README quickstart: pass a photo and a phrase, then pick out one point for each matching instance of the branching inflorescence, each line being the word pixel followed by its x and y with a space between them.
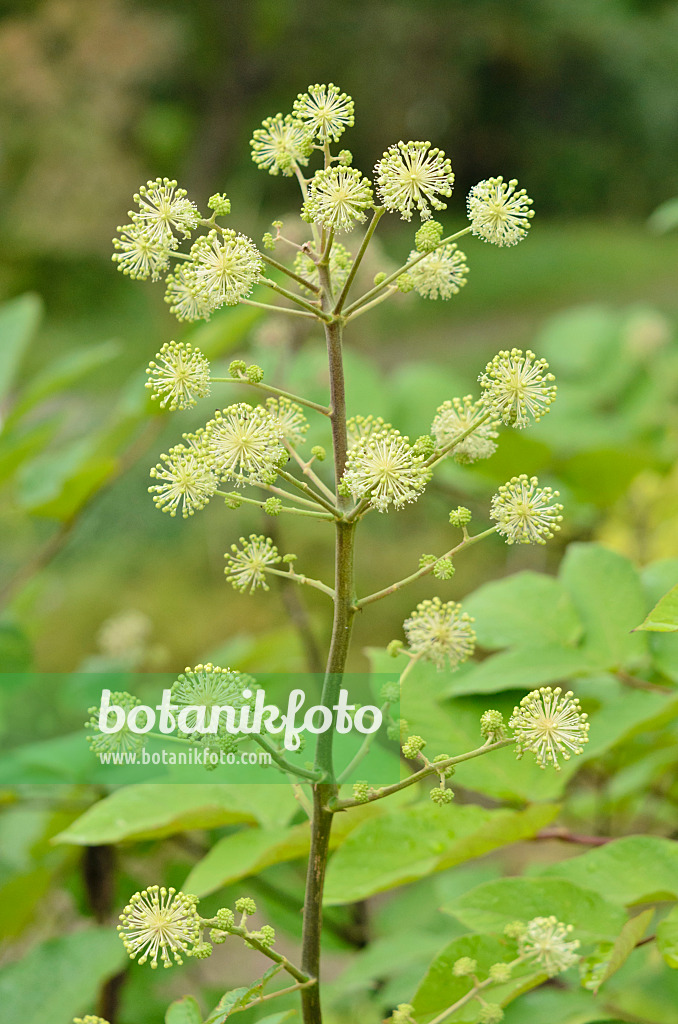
pixel 257 447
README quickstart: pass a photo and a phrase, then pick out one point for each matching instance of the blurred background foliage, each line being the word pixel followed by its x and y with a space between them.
pixel 576 98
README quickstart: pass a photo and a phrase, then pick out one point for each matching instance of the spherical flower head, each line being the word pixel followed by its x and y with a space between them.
pixel 490 1013
pixel 550 724
pixel 412 176
pixel 122 741
pixel 225 918
pixel 246 565
pixel 360 427
pixel 209 686
pixel 413 746
pixel 384 469
pixel 341 262
pixel 337 198
pixel 440 274
pixel 220 204
pixel 492 726
pixel 443 569
pixel 460 516
pixel 429 236
pixel 89 1019
pixel 160 922
pixel 246 905
pixel 462 416
pixel 440 632
pixel 545 939
pixel 164 209
pixel 140 254
pixel 244 444
pixel 464 967
pixel 402 1014
pixel 361 792
pixel 500 972
pixel 325 111
pixel 524 512
pixel 178 376
pixel 499 212
pixel 185 482
pixel 281 145
pixel 186 297
pixel 441 796
pixel 290 418
pixel 226 265
pixel 516 387
pixel 272 506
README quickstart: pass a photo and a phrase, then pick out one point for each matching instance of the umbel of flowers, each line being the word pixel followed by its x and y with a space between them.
pixel 250 452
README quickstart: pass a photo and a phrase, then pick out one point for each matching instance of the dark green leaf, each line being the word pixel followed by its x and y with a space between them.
pixel 525 609
pixel 620 950
pixel 634 869
pixel 183 1011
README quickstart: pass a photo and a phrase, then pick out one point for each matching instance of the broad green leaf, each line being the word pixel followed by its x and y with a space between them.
pixel 412 842
pixel 440 988
pixel 634 869
pixel 551 1005
pixel 277 1018
pixel 17 447
pixel 602 476
pixel 664 616
pixel 526 609
pixel 521 668
pixel 607 593
pixel 60 978
pixel 57 484
pixel 60 374
pixel 183 1011
pixel 18 322
pixel 492 905
pixel 667 938
pixel 599 968
pixel 148 811
pixel 657 579
pixel 239 997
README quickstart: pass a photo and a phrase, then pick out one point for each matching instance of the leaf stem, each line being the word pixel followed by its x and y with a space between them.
pixel 234 496
pixel 376 217
pixel 306 580
pixel 290 273
pixel 323 409
pixel 317 312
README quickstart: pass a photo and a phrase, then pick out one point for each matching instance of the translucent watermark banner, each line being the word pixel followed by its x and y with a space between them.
pixel 206 725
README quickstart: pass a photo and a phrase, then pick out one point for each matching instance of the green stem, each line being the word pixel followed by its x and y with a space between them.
pixel 307 471
pixel 273 391
pixel 376 217
pixel 275 995
pixel 305 489
pixel 440 453
pixel 297 298
pixel 251 940
pixel 277 309
pixel 387 591
pixel 282 762
pixel 431 769
pixel 369 305
pixel 234 496
pixel 478 986
pixel 306 580
pixel 402 270
pixel 290 273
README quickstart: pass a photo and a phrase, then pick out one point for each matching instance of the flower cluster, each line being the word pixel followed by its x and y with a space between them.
pixel 383 468
pixel 224 267
pixel 290 418
pixel 281 145
pixel 209 686
pixel 340 265
pixel 440 631
pixel 337 198
pixel 499 212
pixel 469 421
pixel 550 725
pixel 159 922
pixel 526 513
pixel 440 274
pixel 178 376
pixel 185 481
pixel 324 111
pixel 411 175
pixel 246 565
pixel 243 444
pixel 145 244
pixel 123 740
pixel 545 940
pixel 516 386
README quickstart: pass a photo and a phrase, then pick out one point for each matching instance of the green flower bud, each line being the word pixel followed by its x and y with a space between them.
pixel 490 1013
pixel 500 972
pixel 460 516
pixel 492 726
pixel 390 693
pixel 217 937
pixel 225 918
pixel 515 930
pixel 202 951
pixel 246 905
pixel 289 559
pixel 405 283
pixel 394 648
pixel 265 936
pixel 441 796
pixel 379 278
pixel 277 224
pixel 361 792
pixel 268 240
pixel 402 1014
pixel 273 506
pixel 232 501
pixel 424 445
pixel 427 560
pixel 397 730
pixel 318 452
pixel 443 569
pixel 428 236
pixel 89 1019
pixel 220 203
pixel 464 967
pixel 446 772
pixel 237 368
pixel 413 746
pixel 345 157
pixel 254 374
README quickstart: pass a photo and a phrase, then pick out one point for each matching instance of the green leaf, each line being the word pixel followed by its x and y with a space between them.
pixel 521 668
pixel 664 616
pixel 18 322
pixel 607 593
pixel 57 484
pixel 440 988
pixel 277 1018
pixel 667 938
pixel 634 869
pixel 61 977
pixel 526 608
pixel 149 811
pixel 60 374
pixel 239 997
pixel 492 905
pixel 183 1011
pixel 412 842
pixel 602 968
pixel 16 653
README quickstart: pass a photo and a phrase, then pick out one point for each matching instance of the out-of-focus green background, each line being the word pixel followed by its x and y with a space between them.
pixel 576 99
